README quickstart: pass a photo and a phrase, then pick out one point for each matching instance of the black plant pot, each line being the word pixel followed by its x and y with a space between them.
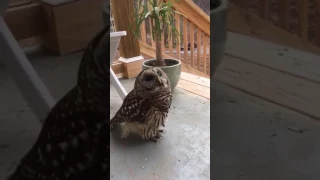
pixel 3 6
pixel 218 32
pixel 106 12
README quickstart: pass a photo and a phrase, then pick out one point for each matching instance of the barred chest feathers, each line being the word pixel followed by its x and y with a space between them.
pixel 145 109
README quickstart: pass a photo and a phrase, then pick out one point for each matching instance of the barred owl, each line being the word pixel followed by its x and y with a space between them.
pixel 73 143
pixel 145 109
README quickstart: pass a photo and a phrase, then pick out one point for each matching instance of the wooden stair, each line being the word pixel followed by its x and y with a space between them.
pixel 278 74
pixel 195 84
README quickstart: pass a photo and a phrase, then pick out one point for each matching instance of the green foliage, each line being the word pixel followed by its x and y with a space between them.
pixel 162 17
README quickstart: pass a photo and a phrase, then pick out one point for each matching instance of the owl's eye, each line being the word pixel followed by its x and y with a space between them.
pixel 159 73
pixel 149 78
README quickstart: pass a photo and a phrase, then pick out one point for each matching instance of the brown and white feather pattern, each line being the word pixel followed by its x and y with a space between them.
pixel 73 143
pixel 145 108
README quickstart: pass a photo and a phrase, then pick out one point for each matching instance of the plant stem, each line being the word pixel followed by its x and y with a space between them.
pixel 159 57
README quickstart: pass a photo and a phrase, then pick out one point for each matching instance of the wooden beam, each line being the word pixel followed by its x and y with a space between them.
pixel 194 88
pixel 123 11
pixel 244 22
pixel 196 79
pixel 195 84
pixel 277 87
pixel 26 21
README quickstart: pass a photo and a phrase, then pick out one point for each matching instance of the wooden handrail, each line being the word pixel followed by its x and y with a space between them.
pixel 194 14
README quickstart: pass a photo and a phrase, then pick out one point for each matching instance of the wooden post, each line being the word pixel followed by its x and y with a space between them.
pixel 122 11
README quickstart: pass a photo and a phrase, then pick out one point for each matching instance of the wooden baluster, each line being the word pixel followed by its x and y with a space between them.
pixel 198 48
pixel 284 13
pixel 303 19
pixel 170 36
pixel 185 39
pixel 192 43
pixel 143 30
pixel 178 44
pixel 264 9
pixel 317 23
pixel 205 38
pixel 208 56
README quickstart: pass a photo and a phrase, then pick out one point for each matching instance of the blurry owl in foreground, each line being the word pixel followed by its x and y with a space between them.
pixel 73 143
pixel 145 108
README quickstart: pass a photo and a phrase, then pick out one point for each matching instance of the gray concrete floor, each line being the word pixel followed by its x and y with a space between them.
pixel 182 154
pixel 251 139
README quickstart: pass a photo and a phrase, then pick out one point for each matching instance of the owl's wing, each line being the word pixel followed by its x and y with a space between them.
pixel 132 109
pixel 60 144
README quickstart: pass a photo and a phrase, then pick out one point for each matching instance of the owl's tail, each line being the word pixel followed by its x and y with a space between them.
pixel 113 123
pixel 117 119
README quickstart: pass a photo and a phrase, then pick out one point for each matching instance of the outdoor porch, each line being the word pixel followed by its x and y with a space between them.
pixel 182 154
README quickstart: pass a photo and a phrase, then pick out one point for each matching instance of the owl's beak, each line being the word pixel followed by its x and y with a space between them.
pixel 160 82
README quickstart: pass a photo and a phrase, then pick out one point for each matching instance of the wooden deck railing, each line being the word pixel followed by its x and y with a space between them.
pixel 300 18
pixel 194 31
pixel 194 36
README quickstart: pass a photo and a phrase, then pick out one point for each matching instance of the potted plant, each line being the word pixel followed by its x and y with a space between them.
pixel 162 17
pixel 218 31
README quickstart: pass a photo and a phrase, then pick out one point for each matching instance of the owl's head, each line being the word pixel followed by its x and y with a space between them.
pixel 152 80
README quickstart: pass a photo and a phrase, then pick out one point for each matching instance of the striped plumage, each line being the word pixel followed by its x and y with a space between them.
pixel 74 141
pixel 145 109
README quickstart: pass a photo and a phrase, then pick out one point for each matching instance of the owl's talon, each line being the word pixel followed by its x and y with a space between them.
pixel 124 135
pixel 158 137
pixel 155 140
pixel 162 131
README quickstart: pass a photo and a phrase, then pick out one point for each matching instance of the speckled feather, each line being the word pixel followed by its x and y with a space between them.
pixel 73 143
pixel 147 105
